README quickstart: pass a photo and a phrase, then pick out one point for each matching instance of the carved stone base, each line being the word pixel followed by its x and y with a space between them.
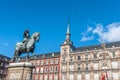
pixel 19 71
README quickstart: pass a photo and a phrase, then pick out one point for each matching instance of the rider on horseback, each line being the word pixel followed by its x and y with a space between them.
pixel 26 37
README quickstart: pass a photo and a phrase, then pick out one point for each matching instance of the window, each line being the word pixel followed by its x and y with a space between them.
pixel 86 66
pixel 45 77
pixel 64 51
pixel 50 77
pixel 55 77
pixel 71 58
pixel 37 70
pixel 88 77
pixel 33 70
pixel 71 67
pixel 33 63
pixel 78 57
pixel 63 59
pixel 83 66
pixel 46 69
pixel 83 57
pixel 91 56
pixel 114 64
pixel 64 77
pixel 78 66
pixel 71 77
pixel 51 61
pixel 56 69
pixel 37 62
pixel 83 77
pixel 42 62
pixel 41 70
pixel 91 66
pixel 78 77
pixel 53 54
pixel 51 68
pixel 113 53
pixel 56 61
pixel 95 56
pixel 115 76
pixel 96 76
pixel 41 77
pixel 46 61
pixel 86 57
pixel 95 66
pixel 64 68
pixel 36 77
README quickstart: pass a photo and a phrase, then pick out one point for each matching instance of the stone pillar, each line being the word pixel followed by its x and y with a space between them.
pixel 19 71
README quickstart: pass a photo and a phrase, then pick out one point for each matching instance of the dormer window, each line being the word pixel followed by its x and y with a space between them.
pixel 43 56
pixel 53 54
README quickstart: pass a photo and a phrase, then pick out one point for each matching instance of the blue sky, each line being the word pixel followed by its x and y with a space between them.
pixel 91 22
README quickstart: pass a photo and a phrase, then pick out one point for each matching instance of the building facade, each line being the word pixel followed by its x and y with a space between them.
pixel 47 66
pixel 4 61
pixel 96 62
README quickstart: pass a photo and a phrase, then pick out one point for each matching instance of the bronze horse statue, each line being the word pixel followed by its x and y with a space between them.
pixel 29 47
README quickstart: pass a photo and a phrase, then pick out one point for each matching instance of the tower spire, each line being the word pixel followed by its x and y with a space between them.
pixel 68 31
pixel 68 27
pixel 67 40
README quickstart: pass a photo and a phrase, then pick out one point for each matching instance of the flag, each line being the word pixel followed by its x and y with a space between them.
pixel 102 76
pixel 106 75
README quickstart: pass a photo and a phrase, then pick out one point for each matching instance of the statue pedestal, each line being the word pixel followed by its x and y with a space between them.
pixel 19 71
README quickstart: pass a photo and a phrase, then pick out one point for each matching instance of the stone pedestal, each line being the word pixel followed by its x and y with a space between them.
pixel 20 71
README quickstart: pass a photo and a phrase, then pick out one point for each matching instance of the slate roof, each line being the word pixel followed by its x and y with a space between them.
pixel 48 55
pixel 93 47
pixel 43 56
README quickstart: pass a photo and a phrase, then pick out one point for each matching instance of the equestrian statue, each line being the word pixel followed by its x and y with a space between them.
pixel 26 46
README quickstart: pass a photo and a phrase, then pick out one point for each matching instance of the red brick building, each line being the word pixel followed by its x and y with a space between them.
pixel 47 66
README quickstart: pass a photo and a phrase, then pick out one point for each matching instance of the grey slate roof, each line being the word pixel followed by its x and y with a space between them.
pixel 93 47
pixel 42 56
pixel 48 55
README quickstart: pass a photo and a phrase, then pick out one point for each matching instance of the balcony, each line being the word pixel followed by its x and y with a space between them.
pixel 41 72
pixel 55 71
pixel 72 61
pixel 64 62
pixel 64 70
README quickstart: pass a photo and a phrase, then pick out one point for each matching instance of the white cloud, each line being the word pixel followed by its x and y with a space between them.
pixel 89 29
pixel 84 38
pixel 110 33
